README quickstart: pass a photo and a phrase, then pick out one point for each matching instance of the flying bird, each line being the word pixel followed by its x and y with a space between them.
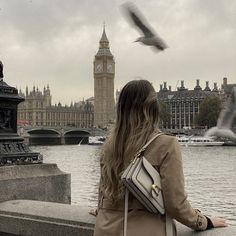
pixel 149 37
pixel 225 119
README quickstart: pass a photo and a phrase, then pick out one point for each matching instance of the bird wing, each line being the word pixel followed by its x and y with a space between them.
pixel 137 19
pixel 228 113
pixel 139 23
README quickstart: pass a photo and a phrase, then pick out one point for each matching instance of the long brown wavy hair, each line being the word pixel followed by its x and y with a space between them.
pixel 137 118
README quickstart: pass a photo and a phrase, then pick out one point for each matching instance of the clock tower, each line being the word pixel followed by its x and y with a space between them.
pixel 104 73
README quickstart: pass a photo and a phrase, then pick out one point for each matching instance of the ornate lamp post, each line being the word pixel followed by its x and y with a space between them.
pixel 13 150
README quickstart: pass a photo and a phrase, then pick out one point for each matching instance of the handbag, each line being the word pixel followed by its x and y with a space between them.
pixel 143 181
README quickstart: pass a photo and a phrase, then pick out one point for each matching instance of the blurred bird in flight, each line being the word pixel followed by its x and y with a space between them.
pixel 225 119
pixel 150 38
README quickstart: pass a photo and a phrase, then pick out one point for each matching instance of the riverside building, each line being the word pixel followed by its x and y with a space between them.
pixel 37 110
pixel 98 111
pixel 183 104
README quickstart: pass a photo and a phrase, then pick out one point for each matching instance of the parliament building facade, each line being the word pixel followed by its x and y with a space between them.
pixel 99 111
pixel 37 110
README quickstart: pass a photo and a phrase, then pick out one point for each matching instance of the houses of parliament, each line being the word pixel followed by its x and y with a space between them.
pixel 99 111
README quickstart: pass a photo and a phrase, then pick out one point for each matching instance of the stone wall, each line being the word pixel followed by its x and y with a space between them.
pixel 43 182
pixel 27 218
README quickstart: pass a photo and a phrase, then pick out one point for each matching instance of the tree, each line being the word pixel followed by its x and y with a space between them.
pixel 164 114
pixel 209 112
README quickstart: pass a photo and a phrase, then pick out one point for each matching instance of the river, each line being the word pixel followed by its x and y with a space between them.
pixel 210 175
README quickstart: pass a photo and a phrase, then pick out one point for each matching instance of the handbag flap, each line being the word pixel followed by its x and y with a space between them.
pixel 154 174
pixel 147 178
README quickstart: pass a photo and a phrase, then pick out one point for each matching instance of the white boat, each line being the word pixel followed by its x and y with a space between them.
pixel 96 140
pixel 197 141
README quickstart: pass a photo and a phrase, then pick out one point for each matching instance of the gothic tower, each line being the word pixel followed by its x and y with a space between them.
pixel 104 73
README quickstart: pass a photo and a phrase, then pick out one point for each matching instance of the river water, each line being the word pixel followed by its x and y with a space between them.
pixel 210 175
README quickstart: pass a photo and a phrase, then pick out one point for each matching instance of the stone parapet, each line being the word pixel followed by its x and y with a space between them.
pixel 43 182
pixel 27 218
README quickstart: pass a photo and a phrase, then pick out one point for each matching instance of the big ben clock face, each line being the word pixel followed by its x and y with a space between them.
pixel 98 67
pixel 110 68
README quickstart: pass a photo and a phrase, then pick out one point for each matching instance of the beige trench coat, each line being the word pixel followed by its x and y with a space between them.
pixel 163 153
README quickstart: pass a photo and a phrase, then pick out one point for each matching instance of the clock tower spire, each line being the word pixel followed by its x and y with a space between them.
pixel 104 73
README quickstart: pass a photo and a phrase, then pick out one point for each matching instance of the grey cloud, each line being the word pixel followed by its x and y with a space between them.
pixel 54 41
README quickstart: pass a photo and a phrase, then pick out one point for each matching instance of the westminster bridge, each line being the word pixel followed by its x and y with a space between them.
pixel 42 135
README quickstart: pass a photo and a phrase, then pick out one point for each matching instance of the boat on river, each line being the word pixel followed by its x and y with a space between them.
pixel 96 140
pixel 197 141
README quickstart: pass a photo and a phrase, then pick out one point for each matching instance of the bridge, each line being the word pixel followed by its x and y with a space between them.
pixel 42 135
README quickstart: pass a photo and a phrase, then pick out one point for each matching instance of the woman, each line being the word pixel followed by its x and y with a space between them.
pixel 137 121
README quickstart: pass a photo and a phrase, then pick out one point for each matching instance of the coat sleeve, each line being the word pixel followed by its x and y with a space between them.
pixel 174 195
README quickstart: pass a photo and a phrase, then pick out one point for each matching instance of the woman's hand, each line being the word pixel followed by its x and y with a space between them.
pixel 93 212
pixel 218 222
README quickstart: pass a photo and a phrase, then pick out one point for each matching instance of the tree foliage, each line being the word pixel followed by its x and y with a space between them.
pixel 209 112
pixel 164 113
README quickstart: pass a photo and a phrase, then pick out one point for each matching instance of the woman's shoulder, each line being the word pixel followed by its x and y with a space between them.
pixel 166 138
pixel 164 142
pixel 160 148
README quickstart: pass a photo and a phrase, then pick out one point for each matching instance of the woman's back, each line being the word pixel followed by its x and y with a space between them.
pixel 137 121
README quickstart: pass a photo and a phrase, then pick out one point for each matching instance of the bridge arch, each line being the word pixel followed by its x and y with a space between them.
pixel 76 137
pixel 44 137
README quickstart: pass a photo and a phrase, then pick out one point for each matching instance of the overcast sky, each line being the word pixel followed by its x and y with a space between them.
pixel 54 42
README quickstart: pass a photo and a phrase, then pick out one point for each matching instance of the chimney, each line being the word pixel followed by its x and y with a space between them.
pixel 215 89
pixel 224 81
pixel 170 88
pixel 160 87
pixel 26 91
pixel 207 88
pixel 165 87
pixel 182 88
pixel 197 87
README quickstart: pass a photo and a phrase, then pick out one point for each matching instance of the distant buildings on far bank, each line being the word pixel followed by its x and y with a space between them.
pixel 37 110
pixel 182 105
pixel 98 111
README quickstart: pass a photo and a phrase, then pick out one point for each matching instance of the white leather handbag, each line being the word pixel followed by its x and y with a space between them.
pixel 143 181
